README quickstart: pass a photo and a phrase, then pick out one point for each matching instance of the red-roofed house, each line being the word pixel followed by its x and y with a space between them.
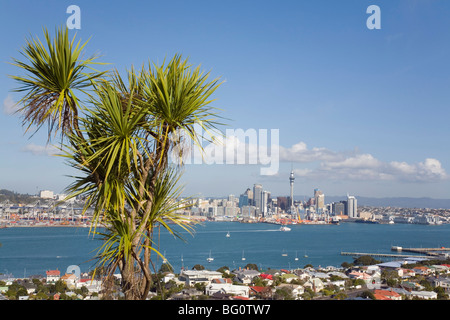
pixel 267 277
pixel 381 297
pixel 422 270
pixel 260 292
pixel 70 279
pixel 53 275
pixel 387 295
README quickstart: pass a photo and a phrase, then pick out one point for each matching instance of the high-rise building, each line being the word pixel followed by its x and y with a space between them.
pixel 243 200
pixel 352 207
pixel 319 200
pixel 282 203
pixel 249 194
pixel 338 208
pixel 257 197
pixel 264 202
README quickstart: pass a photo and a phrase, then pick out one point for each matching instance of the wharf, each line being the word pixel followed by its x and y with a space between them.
pixel 384 255
pixel 436 252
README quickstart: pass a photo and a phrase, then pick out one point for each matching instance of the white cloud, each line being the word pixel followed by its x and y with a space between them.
pixel 355 166
pixel 47 150
pixel 9 105
pixel 300 153
pixel 249 147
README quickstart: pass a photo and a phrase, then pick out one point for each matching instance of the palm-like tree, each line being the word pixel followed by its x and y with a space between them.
pixel 121 146
pixel 54 75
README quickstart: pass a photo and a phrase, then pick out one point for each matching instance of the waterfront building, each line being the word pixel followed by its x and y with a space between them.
pixel 257 197
pixel 243 200
pixel 249 194
pixel 248 212
pixel 319 200
pixel 46 194
pixel 282 203
pixel 265 202
pixel 352 207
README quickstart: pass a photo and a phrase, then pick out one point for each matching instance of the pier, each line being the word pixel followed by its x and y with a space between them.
pixel 433 252
pixel 384 255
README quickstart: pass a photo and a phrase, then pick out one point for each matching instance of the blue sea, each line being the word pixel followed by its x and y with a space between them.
pixel 31 251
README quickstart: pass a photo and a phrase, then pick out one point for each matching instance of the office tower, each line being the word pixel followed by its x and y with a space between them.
pixel 320 203
pixel 352 208
pixel 338 208
pixel 257 196
pixel 243 200
pixel 249 194
pixel 282 203
pixel 319 200
pixel 291 182
pixel 264 202
pixel 231 200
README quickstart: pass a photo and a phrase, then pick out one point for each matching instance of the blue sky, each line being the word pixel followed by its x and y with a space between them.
pixel 358 111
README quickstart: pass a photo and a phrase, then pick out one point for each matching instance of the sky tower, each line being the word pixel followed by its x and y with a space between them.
pixel 291 181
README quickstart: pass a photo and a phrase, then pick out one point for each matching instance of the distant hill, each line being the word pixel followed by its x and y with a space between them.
pixel 15 197
pixel 401 202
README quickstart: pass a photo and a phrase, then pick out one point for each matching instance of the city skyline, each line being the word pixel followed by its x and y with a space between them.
pixel 359 111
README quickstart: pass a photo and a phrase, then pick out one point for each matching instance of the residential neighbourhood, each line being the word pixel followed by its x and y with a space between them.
pixel 396 280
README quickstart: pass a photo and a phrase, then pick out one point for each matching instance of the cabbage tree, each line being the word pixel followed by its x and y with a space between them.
pixel 118 132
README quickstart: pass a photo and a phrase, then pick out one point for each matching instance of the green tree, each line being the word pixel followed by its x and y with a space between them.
pixel 365 261
pixel 165 267
pixel 120 139
pixel 251 266
pixel 198 267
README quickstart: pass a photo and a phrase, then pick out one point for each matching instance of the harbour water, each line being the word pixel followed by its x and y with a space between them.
pixel 33 250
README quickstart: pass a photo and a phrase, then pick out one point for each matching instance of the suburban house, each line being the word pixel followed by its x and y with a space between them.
pixel 424 294
pixel 191 277
pixel 422 270
pixel 295 289
pixel 246 276
pixel 260 292
pixel 288 277
pixel 315 284
pixel 443 283
pixel 387 295
pixel 70 279
pixel 405 273
pixel 228 288
pixel 53 275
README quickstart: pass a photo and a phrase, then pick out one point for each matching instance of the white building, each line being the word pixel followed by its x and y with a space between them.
pixel 46 194
pixel 227 288
pixel 53 275
pixel 191 277
pixel 427 295
pixel 352 207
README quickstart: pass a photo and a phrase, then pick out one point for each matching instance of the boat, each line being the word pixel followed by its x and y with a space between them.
pixel 209 259
pixel 284 228
pixel 228 234
pixel 296 258
pixel 243 258
pixel 284 254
